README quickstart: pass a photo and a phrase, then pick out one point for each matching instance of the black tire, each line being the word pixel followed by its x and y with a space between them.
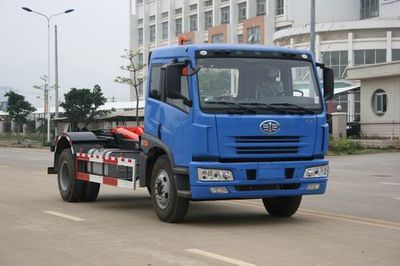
pixel 168 205
pixel 90 191
pixel 70 188
pixel 282 206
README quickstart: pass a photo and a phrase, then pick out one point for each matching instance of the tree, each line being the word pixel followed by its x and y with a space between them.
pixel 134 80
pixel 81 105
pixel 18 109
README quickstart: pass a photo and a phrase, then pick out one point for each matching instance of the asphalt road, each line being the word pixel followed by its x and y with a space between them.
pixel 357 222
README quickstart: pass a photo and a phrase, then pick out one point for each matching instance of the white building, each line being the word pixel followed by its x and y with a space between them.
pixel 157 23
pixel 348 33
pixel 380 95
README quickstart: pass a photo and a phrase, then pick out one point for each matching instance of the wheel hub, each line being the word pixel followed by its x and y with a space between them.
pixel 162 189
pixel 64 176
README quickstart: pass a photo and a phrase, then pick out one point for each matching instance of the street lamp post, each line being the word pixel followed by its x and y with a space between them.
pixel 48 18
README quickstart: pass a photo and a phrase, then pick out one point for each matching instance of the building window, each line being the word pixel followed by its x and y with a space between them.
pixel 193 22
pixel 280 7
pixel 283 27
pixel 218 38
pixel 369 8
pixel 164 15
pixel 164 26
pixel 241 12
pixel 395 54
pixel 225 15
pixel 178 11
pixel 253 35
pixel 152 18
pixel 140 21
pixel 139 2
pixel 140 88
pixel 208 3
pixel 193 7
pixel 208 19
pixel 240 38
pixel 379 102
pixel 178 26
pixel 261 7
pixel 338 61
pixel 364 57
pixel 140 59
pixel 152 30
pixel 140 35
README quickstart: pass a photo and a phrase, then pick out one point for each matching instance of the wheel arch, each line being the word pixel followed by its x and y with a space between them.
pixel 75 141
pixel 152 155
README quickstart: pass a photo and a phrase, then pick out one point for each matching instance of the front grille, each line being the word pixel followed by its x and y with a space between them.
pixel 267 144
pixel 268 187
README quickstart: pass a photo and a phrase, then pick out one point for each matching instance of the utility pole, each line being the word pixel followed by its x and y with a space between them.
pixel 56 69
pixel 48 19
pixel 45 89
pixel 312 27
pixel 56 78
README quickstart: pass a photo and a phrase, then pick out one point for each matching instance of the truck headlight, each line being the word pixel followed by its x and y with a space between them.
pixel 316 171
pixel 214 175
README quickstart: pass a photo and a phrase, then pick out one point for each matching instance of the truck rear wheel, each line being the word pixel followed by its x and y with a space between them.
pixel 90 191
pixel 282 206
pixel 168 205
pixel 70 188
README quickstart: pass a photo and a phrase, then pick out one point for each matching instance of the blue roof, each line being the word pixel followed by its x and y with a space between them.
pixel 181 50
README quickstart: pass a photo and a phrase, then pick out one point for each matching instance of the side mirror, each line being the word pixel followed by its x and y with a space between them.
pixel 329 83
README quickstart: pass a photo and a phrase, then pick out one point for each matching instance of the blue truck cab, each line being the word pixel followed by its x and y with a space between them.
pixel 234 122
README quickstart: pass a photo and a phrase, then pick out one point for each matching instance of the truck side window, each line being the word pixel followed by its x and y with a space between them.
pixel 178 103
pixel 155 82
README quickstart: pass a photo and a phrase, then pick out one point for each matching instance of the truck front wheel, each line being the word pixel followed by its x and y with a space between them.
pixel 70 188
pixel 282 206
pixel 168 205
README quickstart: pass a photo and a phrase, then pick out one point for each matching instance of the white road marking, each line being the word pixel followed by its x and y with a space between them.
pixel 335 216
pixel 389 183
pixel 219 257
pixel 4 166
pixel 69 217
pixel 397 198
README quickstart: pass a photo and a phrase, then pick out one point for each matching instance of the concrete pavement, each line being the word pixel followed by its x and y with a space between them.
pixel 356 222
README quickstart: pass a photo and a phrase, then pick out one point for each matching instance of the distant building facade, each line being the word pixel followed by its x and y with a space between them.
pixel 380 97
pixel 156 23
pixel 348 33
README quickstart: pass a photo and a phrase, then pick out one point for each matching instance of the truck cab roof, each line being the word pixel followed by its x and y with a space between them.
pixel 185 50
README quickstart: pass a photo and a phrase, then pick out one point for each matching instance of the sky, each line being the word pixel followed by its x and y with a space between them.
pixel 90 42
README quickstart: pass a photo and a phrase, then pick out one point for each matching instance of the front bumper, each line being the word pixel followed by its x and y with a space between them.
pixel 258 180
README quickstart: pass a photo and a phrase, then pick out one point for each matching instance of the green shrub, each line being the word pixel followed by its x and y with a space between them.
pixel 344 146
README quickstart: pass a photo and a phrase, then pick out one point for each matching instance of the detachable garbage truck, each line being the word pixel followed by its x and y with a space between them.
pixel 221 122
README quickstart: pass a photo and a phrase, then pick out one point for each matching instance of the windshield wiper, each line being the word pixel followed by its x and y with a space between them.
pixel 266 106
pixel 238 105
pixel 307 110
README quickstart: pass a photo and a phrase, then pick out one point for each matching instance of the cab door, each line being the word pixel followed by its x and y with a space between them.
pixel 176 123
pixel 153 101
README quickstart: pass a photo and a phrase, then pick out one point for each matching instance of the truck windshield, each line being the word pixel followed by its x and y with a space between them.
pixel 262 85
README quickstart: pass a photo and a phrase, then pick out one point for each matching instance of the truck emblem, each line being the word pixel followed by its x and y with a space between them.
pixel 270 127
